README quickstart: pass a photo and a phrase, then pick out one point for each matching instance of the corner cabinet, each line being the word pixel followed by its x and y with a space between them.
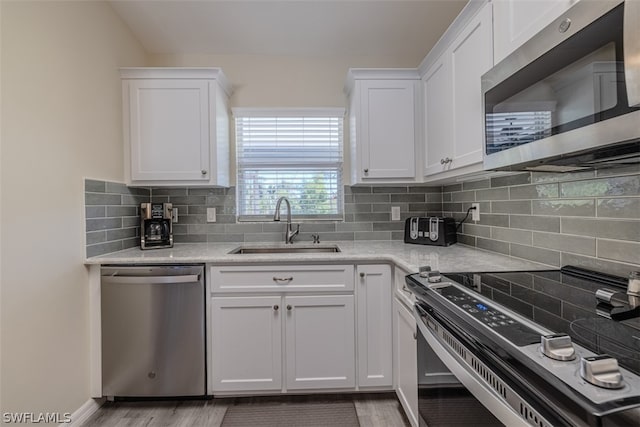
pixel 176 126
pixel 383 127
pixel 405 348
pixel 453 99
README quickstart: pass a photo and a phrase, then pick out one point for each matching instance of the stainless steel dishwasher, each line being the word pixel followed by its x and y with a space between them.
pixel 153 331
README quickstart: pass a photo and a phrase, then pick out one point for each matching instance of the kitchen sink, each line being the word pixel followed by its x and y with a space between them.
pixel 286 249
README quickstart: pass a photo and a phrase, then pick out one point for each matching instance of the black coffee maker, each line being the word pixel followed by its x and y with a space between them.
pixel 155 225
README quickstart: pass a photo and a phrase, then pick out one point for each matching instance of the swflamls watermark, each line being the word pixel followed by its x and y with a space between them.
pixel 36 417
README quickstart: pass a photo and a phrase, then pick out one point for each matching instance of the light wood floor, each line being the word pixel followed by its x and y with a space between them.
pixel 374 410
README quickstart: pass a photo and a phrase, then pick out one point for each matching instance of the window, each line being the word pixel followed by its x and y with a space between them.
pixel 295 153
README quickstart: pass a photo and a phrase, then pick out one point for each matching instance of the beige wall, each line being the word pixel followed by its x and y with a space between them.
pixel 285 81
pixel 61 122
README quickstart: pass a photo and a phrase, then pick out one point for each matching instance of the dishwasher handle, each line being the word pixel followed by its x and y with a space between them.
pixel 150 280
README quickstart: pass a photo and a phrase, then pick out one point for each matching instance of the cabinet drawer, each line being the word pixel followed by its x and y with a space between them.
pixel 400 288
pixel 279 278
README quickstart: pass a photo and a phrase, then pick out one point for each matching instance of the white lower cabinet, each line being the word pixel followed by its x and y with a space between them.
pixel 320 336
pixel 405 348
pixel 312 331
pixel 282 328
pixel 246 343
pixel 374 295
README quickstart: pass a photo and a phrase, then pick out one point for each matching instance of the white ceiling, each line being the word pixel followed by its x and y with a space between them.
pixel 398 28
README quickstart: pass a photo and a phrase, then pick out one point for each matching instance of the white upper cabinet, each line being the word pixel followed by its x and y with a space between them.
pixel 438 108
pixel 383 126
pixel 453 97
pixel 176 126
pixel 516 21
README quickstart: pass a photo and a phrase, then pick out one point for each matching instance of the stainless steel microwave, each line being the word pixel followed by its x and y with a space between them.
pixel 569 98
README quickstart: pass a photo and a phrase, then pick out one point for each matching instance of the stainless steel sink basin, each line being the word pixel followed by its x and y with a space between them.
pixel 293 249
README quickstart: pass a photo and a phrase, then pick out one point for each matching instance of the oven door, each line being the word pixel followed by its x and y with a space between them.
pixel 449 392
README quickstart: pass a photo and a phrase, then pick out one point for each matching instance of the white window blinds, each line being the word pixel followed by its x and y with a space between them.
pixel 506 130
pixel 295 153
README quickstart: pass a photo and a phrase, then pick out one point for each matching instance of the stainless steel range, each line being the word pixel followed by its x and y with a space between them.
pixel 543 348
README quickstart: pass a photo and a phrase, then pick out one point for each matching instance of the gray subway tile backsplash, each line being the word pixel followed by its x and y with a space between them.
pixel 619 250
pixel 565 243
pixel 613 186
pixel 564 207
pixel 628 207
pixel 587 218
pixel 603 228
pixel 112 216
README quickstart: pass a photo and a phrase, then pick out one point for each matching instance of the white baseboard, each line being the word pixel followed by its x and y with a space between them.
pixel 84 412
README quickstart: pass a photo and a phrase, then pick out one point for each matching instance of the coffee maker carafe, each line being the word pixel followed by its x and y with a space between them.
pixel 156 226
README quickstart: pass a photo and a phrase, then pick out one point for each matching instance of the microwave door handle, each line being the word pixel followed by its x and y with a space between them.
pixel 632 51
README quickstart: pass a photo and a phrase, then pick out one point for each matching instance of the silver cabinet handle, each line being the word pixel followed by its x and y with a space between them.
pixel 204 172
pixel 282 279
pixel 366 171
pixel 275 307
pixel 445 161
pixel 362 274
pixel 404 288
pixel 289 307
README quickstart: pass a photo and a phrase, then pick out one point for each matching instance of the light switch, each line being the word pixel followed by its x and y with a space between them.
pixel 211 214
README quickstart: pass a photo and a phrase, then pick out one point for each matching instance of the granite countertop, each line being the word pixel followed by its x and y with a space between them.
pixel 454 258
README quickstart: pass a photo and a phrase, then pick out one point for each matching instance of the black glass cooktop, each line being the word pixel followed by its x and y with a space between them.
pixel 564 301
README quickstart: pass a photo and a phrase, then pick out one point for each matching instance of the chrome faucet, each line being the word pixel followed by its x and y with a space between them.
pixel 289 234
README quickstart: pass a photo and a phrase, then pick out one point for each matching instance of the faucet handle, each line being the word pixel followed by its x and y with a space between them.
pixel 315 237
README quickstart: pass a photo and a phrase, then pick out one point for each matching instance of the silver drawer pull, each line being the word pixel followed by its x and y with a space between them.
pixel 282 279
pixel 404 288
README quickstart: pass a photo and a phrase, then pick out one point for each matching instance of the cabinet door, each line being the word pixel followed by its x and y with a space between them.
pixel 406 361
pixel 438 111
pixel 387 140
pixel 374 296
pixel 320 342
pixel 516 21
pixel 246 339
pixel 471 57
pixel 169 129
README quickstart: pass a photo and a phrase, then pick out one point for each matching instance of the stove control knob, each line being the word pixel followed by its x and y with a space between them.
pixel 434 277
pixel 424 271
pixel 557 347
pixel 601 371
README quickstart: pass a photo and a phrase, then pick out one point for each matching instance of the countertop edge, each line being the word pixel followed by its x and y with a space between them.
pixel 404 256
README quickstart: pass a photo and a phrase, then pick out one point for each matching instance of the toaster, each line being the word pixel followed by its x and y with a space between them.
pixel 434 230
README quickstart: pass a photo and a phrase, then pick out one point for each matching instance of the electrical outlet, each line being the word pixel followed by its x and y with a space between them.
pixel 211 214
pixel 395 213
pixel 475 213
pixel 174 215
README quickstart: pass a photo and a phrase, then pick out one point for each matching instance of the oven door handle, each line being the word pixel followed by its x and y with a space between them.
pixel 418 314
